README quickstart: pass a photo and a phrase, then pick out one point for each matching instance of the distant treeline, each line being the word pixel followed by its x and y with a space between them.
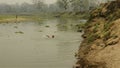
pixel 38 6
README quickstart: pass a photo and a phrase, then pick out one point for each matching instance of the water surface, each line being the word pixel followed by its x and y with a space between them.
pixel 25 44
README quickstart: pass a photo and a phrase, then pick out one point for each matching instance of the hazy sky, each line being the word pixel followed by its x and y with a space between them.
pixel 28 1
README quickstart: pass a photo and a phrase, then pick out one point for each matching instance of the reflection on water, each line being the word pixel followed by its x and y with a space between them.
pixel 25 45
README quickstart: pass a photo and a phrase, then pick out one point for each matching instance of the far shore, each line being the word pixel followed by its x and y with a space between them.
pixel 19 18
pixel 13 20
pixel 9 18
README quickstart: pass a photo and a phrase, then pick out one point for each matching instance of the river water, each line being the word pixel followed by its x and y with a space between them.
pixel 25 44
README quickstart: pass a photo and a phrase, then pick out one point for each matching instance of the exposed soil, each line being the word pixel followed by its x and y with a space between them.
pixel 101 46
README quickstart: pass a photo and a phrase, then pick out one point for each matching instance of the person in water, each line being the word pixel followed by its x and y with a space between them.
pixel 53 36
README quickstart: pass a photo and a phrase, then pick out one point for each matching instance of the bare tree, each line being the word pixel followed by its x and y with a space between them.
pixel 63 4
pixel 39 4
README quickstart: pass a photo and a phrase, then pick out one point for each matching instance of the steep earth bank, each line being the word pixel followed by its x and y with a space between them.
pixel 101 47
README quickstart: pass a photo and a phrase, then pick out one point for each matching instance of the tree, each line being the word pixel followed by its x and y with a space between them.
pixel 63 4
pixel 79 5
pixel 39 4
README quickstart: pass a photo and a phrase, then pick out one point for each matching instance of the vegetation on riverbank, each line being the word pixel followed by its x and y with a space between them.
pixel 75 15
pixel 19 18
pixel 100 48
pixel 7 18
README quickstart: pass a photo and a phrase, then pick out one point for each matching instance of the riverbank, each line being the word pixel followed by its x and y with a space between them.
pixel 100 48
pixel 19 18
pixel 74 15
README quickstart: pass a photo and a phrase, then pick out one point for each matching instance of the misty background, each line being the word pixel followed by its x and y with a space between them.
pixel 47 6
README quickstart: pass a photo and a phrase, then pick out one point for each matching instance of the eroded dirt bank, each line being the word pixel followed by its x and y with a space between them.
pixel 101 46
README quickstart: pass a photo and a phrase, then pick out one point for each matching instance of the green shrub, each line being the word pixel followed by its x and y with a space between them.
pixel 92 38
pixel 81 25
pixel 107 26
pixel 106 35
pixel 96 28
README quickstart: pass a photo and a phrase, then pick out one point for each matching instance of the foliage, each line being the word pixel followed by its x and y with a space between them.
pixel 106 35
pixel 92 37
pixel 81 25
pixel 39 6
pixel 107 26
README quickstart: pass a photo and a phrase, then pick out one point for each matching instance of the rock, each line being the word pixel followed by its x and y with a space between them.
pixel 19 32
pixel 93 47
pixel 76 66
pixel 112 41
pixel 84 36
pixel 79 30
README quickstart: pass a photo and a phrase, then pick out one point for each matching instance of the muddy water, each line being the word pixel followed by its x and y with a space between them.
pixel 25 45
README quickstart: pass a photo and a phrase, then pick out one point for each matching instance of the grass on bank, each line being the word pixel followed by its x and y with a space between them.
pixel 74 15
pixel 39 16
pixel 20 18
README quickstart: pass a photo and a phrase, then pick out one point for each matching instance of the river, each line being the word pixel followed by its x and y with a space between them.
pixel 26 45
